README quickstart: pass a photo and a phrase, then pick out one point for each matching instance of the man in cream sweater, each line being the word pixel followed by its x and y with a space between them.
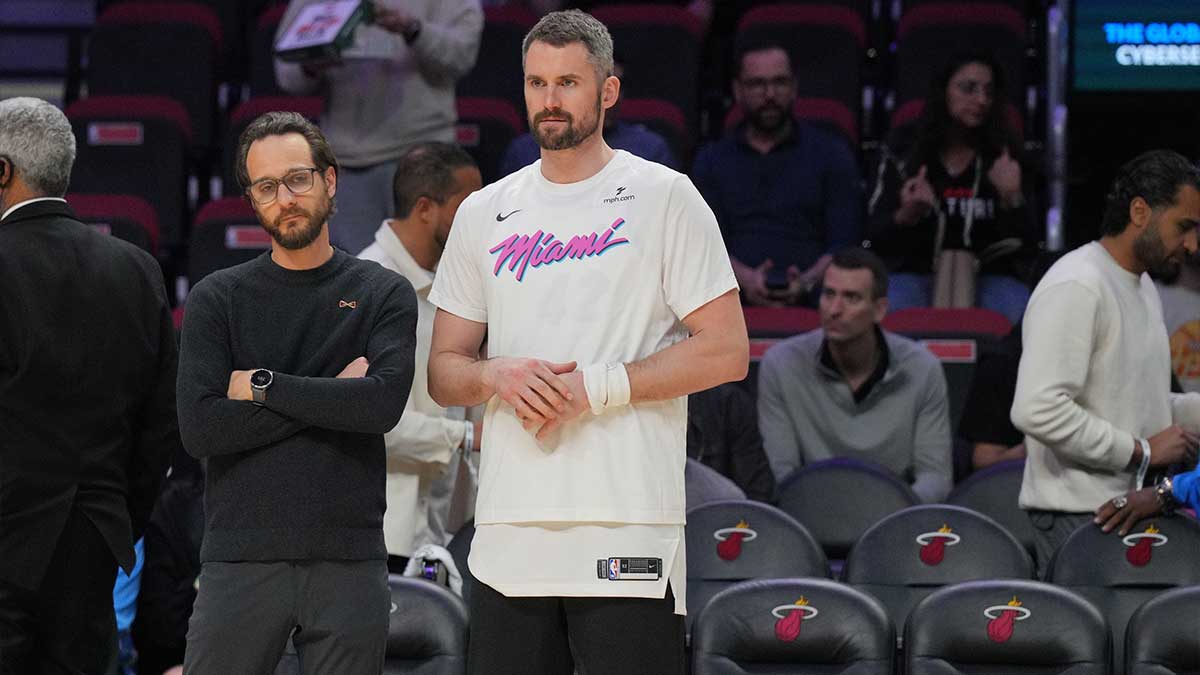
pixel 1093 390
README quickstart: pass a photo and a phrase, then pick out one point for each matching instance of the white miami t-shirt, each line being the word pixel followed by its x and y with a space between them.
pixel 597 271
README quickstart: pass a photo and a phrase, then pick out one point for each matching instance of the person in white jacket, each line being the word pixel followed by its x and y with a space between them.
pixel 426 449
pixel 1093 388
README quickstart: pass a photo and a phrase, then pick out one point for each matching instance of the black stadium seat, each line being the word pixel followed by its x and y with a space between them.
pixel 930 33
pixel 498 72
pixel 1119 574
pixel 736 540
pixel 485 128
pixel 134 145
pixel 1163 637
pixel 910 554
pixel 826 42
pixel 427 629
pixel 660 48
pixel 262 53
pixel 838 499
pixel 993 492
pixel 792 627
pixel 123 216
pixel 159 49
pixel 226 233
pixel 1006 627
pixel 830 114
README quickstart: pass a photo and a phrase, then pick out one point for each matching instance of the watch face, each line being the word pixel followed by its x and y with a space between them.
pixel 260 378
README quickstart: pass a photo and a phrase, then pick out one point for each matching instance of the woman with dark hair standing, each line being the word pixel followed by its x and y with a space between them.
pixel 958 188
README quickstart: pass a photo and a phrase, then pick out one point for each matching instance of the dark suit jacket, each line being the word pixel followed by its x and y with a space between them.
pixel 87 386
pixel 723 434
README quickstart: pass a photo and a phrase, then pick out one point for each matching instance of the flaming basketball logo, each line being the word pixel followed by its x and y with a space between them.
pixel 1002 617
pixel 1139 544
pixel 729 539
pixel 933 544
pixel 790 617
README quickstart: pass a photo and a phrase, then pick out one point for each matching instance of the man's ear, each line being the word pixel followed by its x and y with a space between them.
pixel 1139 213
pixel 331 180
pixel 611 92
pixel 881 308
pixel 6 171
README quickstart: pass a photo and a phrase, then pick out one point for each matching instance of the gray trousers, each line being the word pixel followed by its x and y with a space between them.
pixel 336 613
pixel 1050 530
pixel 364 200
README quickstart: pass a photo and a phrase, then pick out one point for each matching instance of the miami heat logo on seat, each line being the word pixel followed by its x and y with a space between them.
pixel 933 544
pixel 1140 544
pixel 791 617
pixel 729 540
pixel 1001 619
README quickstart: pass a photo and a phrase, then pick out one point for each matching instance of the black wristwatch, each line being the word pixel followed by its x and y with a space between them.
pixel 259 381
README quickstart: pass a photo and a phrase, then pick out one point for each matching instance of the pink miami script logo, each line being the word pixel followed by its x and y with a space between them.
pixel 522 251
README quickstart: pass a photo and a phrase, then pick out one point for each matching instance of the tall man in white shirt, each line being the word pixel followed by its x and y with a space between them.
pixel 426 447
pixel 593 258
pixel 1093 389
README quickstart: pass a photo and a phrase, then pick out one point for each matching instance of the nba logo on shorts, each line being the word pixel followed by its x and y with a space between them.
pixel 614 568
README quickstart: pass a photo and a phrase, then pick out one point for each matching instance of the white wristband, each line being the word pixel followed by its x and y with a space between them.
pixel 607 386
pixel 1145 465
pixel 468 443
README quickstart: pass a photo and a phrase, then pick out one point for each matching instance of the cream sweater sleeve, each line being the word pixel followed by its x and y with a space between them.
pixel 1059 334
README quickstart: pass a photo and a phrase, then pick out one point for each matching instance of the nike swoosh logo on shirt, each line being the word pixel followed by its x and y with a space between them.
pixel 501 219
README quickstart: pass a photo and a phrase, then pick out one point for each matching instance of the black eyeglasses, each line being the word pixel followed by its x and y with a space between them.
pixel 266 190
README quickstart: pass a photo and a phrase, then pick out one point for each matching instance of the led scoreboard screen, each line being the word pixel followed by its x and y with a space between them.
pixel 1131 45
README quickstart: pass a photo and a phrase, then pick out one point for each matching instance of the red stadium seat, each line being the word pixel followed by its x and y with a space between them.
pixel 827 45
pixel 827 113
pixel 262 52
pixel 160 49
pixel 134 145
pixel 485 128
pixel 662 117
pixel 660 48
pixel 226 233
pixel 498 72
pixel 123 216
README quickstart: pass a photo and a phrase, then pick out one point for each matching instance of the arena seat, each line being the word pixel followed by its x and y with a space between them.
pixel 1119 574
pixel 498 71
pixel 829 114
pixel 135 145
pixel 838 499
pixel 123 216
pixel 485 128
pixel 736 540
pixel 226 233
pixel 427 629
pixel 908 555
pixel 662 117
pixel 1006 627
pixel 135 49
pixel 993 492
pixel 792 627
pixel 1163 637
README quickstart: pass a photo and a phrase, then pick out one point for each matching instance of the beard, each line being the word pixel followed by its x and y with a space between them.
pixel 569 137
pixel 303 234
pixel 767 118
pixel 1152 253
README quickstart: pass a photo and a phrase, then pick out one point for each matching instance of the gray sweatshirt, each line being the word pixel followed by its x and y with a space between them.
pixel 807 413
pixel 387 94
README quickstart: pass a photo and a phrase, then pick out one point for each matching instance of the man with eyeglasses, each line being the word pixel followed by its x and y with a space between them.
pixel 292 368
pixel 785 193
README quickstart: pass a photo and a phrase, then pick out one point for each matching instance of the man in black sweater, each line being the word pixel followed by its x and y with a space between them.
pixel 293 366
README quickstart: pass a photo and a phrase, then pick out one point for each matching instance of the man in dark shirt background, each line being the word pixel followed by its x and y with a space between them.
pixel 87 405
pixel 293 367
pixel 723 435
pixel 786 194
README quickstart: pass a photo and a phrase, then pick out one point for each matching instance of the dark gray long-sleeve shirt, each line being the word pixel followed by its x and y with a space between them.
pixel 303 476
pixel 807 413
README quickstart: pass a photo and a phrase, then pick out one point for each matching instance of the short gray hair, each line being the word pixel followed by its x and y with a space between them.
pixel 559 29
pixel 36 137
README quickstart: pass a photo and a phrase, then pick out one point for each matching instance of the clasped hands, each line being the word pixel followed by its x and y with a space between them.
pixel 544 394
